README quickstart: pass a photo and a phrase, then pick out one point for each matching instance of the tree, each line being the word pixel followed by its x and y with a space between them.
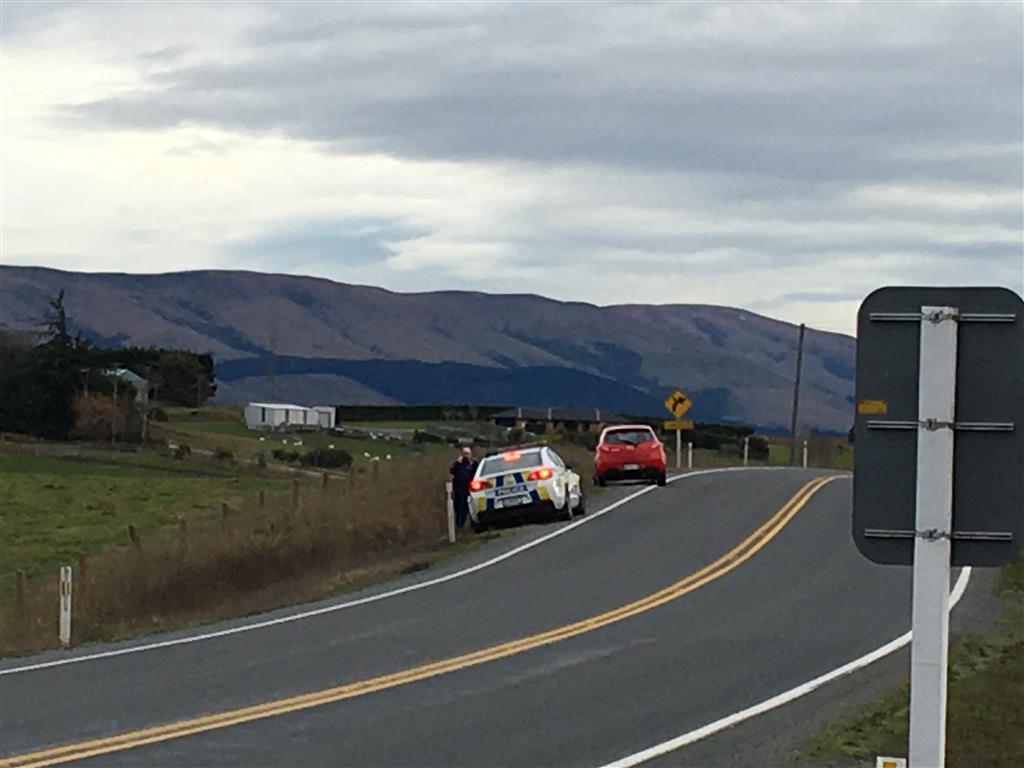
pixel 186 378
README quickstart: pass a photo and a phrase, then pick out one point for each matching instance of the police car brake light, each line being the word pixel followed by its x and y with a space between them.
pixel 511 456
pixel 544 473
pixel 478 485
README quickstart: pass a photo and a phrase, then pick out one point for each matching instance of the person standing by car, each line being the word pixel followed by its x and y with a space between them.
pixel 462 471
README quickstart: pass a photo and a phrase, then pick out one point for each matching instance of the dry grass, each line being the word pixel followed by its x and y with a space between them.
pixel 377 523
pixel 250 558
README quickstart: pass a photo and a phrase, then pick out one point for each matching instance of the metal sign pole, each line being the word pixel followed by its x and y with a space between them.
pixel 679 449
pixel 934 514
pixel 65 605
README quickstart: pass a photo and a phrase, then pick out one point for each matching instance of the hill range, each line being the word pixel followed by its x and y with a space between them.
pixel 306 340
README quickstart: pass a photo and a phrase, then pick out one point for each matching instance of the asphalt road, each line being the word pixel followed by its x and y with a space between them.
pixel 803 604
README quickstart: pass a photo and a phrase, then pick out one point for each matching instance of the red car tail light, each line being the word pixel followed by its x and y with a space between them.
pixel 544 473
pixel 476 485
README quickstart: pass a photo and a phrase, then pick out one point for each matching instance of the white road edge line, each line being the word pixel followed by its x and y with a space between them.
pixel 783 698
pixel 372 598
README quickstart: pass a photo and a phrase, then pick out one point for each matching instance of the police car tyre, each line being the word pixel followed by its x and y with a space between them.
pixel 477 527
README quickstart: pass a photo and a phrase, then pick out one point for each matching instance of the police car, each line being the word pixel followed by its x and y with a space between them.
pixel 524 482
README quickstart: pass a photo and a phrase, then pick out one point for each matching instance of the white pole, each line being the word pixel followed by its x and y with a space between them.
pixel 746 450
pixel 933 521
pixel 805 454
pixel 689 455
pixel 65 605
pixel 450 504
pixel 679 449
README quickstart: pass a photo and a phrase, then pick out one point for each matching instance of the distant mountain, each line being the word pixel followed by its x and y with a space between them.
pixel 307 339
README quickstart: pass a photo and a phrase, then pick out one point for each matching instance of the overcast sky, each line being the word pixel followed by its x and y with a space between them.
pixel 783 158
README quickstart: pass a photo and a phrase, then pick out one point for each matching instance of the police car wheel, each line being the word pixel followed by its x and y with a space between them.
pixel 477 527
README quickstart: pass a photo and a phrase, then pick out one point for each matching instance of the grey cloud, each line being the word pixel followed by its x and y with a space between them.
pixel 757 123
pixel 553 85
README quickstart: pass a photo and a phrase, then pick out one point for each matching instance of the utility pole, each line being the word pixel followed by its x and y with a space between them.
pixel 113 416
pixel 796 397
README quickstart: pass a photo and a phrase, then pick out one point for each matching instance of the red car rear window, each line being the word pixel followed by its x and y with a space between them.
pixel 628 436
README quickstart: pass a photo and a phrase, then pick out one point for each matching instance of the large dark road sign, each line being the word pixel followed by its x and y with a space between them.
pixel 988 429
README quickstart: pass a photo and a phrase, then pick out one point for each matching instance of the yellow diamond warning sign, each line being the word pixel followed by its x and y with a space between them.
pixel 678 403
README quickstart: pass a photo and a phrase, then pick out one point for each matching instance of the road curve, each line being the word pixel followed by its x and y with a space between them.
pixel 796 602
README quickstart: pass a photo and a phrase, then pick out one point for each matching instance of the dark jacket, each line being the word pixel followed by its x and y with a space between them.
pixel 462 471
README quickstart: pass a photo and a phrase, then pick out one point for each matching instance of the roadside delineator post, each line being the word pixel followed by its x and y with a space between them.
pixel 324 480
pixel 689 455
pixel 746 450
pixel 679 449
pixel 450 507
pixel 65 605
pixel 805 455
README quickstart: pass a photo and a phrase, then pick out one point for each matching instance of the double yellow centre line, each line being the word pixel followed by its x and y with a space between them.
pixel 725 563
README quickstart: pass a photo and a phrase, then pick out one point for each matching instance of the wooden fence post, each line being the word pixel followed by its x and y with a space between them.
pixel 225 513
pixel 376 470
pixel 133 534
pixel 295 494
pixel 324 480
pixel 263 497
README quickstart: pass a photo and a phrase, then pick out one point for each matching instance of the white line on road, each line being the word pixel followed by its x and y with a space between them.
pixel 783 698
pixel 372 598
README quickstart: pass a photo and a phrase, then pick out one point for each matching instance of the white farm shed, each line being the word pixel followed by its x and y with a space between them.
pixel 287 416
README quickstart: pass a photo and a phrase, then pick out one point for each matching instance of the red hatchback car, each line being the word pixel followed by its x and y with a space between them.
pixel 629 452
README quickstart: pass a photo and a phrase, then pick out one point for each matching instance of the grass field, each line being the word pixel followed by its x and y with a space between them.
pixel 222 427
pixel 55 509
pixel 192 561
pixel 986 702
pixel 823 451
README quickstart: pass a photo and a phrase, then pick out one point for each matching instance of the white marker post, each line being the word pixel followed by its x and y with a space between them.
pixel 746 450
pixel 679 449
pixel 450 505
pixel 805 454
pixel 65 605
pixel 689 455
pixel 932 537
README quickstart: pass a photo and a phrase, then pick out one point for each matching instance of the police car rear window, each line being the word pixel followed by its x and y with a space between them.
pixel 510 462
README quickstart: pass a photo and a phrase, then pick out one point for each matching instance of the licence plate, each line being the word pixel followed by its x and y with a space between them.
pixel 512 490
pixel 630 467
pixel 511 501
